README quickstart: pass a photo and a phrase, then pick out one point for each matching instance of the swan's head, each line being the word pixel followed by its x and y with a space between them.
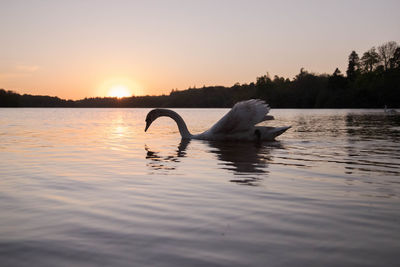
pixel 151 116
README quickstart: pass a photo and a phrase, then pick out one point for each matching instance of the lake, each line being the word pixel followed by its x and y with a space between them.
pixel 87 187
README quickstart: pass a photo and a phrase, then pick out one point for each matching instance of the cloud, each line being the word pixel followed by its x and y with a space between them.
pixel 18 71
pixel 27 68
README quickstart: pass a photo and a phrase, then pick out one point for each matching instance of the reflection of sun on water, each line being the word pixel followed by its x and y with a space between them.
pixel 119 91
pixel 117 133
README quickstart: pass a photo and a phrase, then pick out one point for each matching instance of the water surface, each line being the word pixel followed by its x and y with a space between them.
pixel 89 187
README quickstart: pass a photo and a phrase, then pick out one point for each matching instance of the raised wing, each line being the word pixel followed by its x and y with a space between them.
pixel 242 117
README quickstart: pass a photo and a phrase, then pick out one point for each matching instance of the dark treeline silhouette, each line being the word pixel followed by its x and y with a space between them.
pixel 371 81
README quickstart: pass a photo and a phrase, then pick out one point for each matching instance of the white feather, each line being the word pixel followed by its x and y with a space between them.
pixel 242 117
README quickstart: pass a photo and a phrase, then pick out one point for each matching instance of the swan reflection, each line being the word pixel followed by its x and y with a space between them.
pixel 159 162
pixel 247 161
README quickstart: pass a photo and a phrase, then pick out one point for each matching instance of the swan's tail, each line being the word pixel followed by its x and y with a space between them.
pixel 280 130
pixel 269 133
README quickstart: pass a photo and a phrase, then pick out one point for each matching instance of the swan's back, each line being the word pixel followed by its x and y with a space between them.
pixel 242 117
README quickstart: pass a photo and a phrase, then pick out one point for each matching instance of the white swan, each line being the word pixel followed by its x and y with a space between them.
pixel 390 111
pixel 237 125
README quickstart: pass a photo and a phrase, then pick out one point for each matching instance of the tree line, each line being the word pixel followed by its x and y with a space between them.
pixel 370 81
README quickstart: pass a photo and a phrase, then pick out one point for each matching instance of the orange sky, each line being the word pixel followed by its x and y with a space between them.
pixel 77 49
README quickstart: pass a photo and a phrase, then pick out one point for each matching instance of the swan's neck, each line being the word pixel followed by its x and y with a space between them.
pixel 179 121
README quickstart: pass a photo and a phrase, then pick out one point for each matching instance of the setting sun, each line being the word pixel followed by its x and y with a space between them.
pixel 119 91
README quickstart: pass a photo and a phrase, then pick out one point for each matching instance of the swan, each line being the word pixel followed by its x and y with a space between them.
pixel 239 124
pixel 390 110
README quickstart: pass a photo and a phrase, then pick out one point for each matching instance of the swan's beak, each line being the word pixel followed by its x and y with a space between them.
pixel 147 126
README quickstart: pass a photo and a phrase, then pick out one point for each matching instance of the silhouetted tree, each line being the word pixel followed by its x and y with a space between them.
pixel 353 66
pixel 394 62
pixel 337 73
pixel 262 80
pixel 369 60
pixel 337 85
pixel 386 52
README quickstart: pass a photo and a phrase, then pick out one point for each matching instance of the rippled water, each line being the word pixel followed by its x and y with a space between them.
pixel 89 187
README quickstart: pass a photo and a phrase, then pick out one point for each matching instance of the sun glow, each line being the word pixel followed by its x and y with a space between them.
pixel 119 91
pixel 118 87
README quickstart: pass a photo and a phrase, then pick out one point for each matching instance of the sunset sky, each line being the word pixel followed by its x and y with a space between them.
pixel 77 49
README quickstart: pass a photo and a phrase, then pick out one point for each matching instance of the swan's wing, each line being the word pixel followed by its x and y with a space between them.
pixel 242 117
